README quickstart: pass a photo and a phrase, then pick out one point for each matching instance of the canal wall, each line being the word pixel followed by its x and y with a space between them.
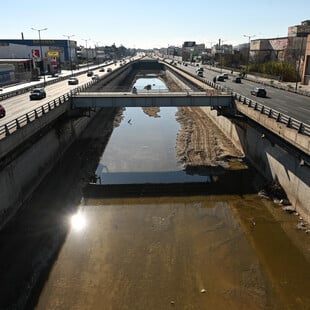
pixel 21 176
pixel 273 161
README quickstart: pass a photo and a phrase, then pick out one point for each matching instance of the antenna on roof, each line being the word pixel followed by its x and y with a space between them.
pixel 22 35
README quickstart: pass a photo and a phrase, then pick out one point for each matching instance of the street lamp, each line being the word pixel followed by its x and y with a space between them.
pixel 221 51
pixel 41 54
pixel 70 57
pixel 86 53
pixel 249 37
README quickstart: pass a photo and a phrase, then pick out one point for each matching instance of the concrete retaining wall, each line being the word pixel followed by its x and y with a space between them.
pixel 269 159
pixel 21 176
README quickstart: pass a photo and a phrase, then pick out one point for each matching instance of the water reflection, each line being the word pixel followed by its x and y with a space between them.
pixel 150 83
pixel 142 150
pixel 78 221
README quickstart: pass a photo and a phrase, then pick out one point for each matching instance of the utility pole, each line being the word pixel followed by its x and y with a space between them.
pixel 249 37
pixel 86 53
pixel 41 54
pixel 70 57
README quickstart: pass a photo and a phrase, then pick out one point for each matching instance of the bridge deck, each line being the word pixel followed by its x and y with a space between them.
pixel 150 99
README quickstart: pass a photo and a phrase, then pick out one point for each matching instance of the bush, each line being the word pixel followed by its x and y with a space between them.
pixel 285 70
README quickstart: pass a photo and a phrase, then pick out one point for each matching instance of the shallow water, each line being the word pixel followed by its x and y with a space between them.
pixel 225 248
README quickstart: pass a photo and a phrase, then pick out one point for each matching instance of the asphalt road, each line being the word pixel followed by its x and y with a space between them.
pixel 295 105
pixel 19 105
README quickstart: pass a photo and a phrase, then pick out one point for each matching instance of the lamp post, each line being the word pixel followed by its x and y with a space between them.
pixel 41 54
pixel 70 57
pixel 249 37
pixel 221 52
pixel 86 53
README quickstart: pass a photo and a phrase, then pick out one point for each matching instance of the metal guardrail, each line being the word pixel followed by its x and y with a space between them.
pixel 10 127
pixel 21 121
pixel 285 119
pixel 29 88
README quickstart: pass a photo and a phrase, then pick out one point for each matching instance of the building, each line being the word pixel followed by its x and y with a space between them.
pixel 290 49
pixel 55 53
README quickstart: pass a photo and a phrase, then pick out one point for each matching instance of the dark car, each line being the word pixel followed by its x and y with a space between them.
pixel 101 70
pixel 220 78
pixel 259 92
pixel 73 81
pixel 90 73
pixel 237 79
pixel 2 111
pixel 37 93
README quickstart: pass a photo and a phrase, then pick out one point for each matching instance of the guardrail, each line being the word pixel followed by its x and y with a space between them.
pixel 10 127
pixel 21 121
pixel 285 119
pixel 29 88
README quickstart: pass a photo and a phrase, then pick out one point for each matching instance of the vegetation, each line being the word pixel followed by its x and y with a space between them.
pixel 285 71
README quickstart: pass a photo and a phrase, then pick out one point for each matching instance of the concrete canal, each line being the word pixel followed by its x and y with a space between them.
pixel 171 219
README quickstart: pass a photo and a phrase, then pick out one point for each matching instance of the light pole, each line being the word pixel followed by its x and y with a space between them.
pixel 86 53
pixel 70 57
pixel 41 54
pixel 221 52
pixel 249 37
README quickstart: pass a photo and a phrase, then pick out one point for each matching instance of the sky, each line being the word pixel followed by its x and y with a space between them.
pixel 151 24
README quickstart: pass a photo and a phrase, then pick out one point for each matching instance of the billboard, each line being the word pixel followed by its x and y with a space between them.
pixel 52 54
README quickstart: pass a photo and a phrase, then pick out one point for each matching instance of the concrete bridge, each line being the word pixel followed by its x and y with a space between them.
pixel 150 99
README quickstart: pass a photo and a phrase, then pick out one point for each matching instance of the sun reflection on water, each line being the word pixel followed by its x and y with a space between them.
pixel 78 221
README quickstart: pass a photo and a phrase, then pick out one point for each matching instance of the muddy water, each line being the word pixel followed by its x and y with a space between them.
pixel 220 250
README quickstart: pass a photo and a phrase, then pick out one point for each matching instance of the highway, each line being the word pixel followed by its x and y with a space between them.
pixel 295 105
pixel 21 104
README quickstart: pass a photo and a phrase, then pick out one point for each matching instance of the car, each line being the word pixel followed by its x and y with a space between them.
pixel 90 73
pixel 237 79
pixel 200 69
pixel 225 75
pixel 259 92
pixel 109 70
pixel 200 73
pixel 101 70
pixel 37 93
pixel 2 111
pixel 220 78
pixel 73 81
pixel 95 77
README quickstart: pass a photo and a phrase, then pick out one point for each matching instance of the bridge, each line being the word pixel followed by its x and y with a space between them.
pixel 150 99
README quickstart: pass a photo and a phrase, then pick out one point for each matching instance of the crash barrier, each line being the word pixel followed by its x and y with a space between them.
pixel 28 88
pixel 287 120
pixel 21 121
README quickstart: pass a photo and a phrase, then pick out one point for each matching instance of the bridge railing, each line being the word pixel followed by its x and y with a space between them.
pixel 21 121
pixel 289 121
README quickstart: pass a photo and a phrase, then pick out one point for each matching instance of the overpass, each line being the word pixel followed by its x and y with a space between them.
pixel 150 99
